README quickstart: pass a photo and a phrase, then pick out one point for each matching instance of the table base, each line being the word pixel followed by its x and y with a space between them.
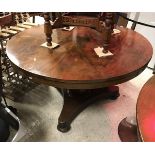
pixel 127 131
pixel 75 101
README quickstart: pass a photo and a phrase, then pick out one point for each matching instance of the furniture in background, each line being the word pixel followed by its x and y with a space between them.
pixel 12 84
pixel 145 111
pixel 144 129
pixel 127 129
pixel 101 22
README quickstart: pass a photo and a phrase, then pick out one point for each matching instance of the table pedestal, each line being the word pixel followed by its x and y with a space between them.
pixel 75 101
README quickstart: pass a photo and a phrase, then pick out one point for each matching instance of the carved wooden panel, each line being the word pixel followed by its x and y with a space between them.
pixel 78 21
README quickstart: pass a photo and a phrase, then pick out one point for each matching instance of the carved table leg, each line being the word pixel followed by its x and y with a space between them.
pixel 127 130
pixel 75 101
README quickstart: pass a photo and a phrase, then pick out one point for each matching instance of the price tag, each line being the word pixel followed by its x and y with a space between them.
pixel 54 45
pixel 116 31
pixel 70 28
pixel 100 52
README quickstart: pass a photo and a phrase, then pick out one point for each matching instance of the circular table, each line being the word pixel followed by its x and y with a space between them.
pixel 74 66
pixel 146 111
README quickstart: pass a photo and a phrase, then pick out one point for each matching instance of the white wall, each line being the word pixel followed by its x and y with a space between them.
pixel 149 33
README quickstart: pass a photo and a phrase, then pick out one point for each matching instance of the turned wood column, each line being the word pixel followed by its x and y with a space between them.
pixel 108 29
pixel 48 29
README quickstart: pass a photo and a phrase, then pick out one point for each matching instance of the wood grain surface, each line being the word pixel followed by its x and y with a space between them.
pixel 146 111
pixel 74 64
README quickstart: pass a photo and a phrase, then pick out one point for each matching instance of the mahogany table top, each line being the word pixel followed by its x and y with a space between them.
pixel 146 111
pixel 74 64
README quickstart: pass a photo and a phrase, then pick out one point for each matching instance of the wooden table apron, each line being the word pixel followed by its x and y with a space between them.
pixel 74 64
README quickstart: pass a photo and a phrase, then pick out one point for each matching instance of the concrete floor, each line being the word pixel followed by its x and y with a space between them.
pixel 41 107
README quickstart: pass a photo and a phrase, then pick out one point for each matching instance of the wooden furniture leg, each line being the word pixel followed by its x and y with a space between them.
pixel 108 30
pixel 48 29
pixel 33 19
pixel 154 69
pixel 75 101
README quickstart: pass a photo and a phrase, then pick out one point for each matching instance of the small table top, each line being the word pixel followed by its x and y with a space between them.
pixel 74 64
pixel 146 111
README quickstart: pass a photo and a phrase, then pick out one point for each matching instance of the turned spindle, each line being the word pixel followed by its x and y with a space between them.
pixel 108 29
pixel 48 29
pixel 22 18
pixel 16 18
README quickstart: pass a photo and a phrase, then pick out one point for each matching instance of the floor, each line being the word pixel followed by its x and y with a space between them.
pixel 41 107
